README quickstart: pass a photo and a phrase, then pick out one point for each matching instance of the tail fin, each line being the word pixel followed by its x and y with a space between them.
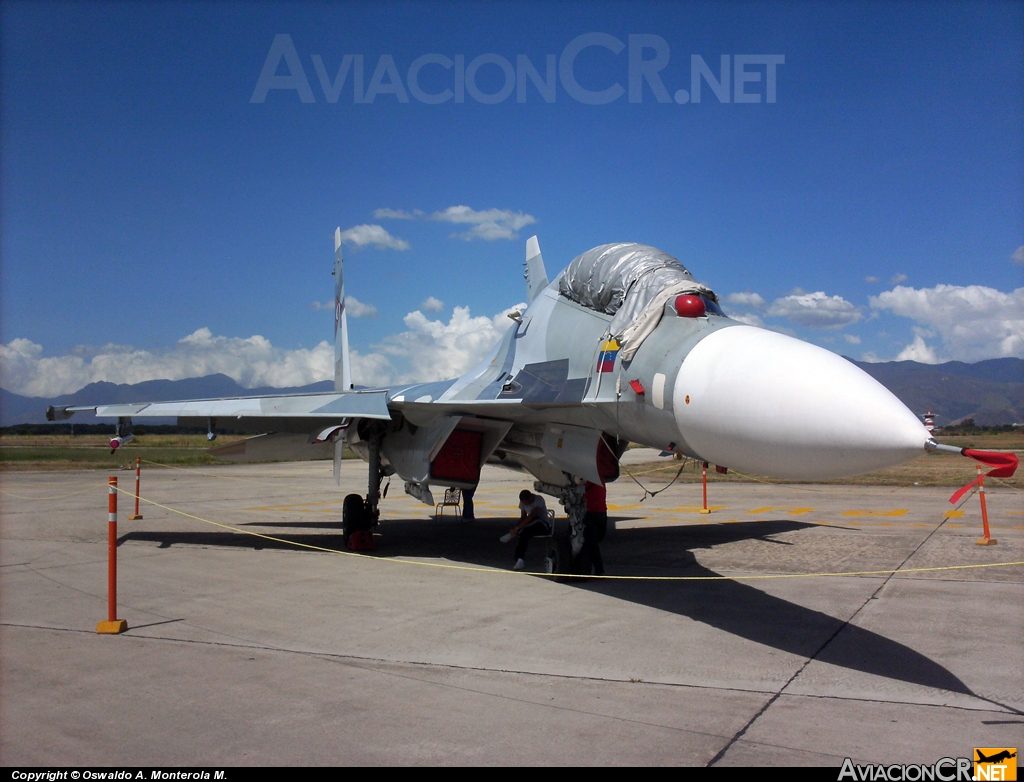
pixel 342 366
pixel 536 274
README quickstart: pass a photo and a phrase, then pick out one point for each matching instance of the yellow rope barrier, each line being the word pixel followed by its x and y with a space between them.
pixel 193 471
pixel 58 497
pixel 475 569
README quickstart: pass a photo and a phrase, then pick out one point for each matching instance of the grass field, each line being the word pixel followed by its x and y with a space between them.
pixel 67 452
pixel 91 451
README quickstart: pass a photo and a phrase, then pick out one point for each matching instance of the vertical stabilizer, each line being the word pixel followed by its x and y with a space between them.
pixel 342 367
pixel 536 274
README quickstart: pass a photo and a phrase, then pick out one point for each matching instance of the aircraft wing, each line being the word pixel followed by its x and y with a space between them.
pixel 305 411
pixel 266 410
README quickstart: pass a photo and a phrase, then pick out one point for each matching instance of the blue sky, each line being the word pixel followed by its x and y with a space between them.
pixel 875 207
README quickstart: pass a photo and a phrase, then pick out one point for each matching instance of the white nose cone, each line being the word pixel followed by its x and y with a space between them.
pixel 761 402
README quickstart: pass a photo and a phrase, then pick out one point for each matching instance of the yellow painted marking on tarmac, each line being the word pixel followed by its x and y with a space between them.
pixel 690 508
pixel 790 511
pixel 953 514
pixel 679 509
pixel 513 573
pixel 1016 512
pixel 897 512
pixel 297 505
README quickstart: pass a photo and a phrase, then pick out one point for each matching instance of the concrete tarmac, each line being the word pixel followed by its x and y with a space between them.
pixel 250 650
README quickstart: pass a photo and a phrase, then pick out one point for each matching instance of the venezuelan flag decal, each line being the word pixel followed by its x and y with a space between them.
pixel 606 358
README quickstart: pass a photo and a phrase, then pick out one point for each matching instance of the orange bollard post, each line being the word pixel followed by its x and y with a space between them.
pixel 138 479
pixel 987 540
pixel 112 625
pixel 704 480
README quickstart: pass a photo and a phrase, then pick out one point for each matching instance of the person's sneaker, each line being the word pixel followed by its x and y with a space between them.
pixel 520 565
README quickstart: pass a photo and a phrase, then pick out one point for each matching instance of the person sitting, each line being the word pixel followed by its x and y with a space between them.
pixel 533 521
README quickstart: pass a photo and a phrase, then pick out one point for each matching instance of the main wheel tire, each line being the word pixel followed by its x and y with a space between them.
pixel 353 516
pixel 559 558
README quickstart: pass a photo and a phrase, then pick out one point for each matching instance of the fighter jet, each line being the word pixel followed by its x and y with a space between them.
pixel 624 346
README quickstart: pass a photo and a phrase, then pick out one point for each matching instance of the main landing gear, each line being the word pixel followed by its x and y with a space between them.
pixel 359 516
pixel 564 548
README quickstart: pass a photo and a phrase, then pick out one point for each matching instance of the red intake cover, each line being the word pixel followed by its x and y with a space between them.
pixel 688 306
pixel 459 457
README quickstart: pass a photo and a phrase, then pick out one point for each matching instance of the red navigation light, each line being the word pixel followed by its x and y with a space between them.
pixel 688 306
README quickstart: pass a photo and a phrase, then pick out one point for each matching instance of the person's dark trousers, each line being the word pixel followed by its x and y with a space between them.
pixel 527 534
pixel 467 504
pixel 594 527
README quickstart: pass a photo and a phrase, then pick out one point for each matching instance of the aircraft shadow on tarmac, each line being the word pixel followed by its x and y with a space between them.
pixel 735 607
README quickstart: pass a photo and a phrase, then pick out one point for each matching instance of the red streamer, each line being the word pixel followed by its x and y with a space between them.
pixel 1005 465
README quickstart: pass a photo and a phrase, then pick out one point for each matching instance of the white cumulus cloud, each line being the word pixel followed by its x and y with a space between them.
pixel 815 310
pixel 357 309
pixel 251 361
pixel 974 322
pixel 435 350
pixel 750 318
pixel 746 300
pixel 375 235
pixel 1018 255
pixel 396 214
pixel 354 307
pixel 426 350
pixel 918 351
pixel 486 224
pixel 432 304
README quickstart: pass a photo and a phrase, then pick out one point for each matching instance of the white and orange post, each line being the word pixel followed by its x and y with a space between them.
pixel 704 481
pixel 138 480
pixel 987 539
pixel 112 625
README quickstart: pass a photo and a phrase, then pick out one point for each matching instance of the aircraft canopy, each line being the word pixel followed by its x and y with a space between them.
pixel 624 279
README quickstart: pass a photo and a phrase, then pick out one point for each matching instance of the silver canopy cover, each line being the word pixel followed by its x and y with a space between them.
pixel 622 280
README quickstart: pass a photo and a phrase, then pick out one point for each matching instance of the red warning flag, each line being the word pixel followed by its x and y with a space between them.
pixel 1005 465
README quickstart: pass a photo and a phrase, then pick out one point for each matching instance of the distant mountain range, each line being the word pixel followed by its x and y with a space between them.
pixel 991 392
